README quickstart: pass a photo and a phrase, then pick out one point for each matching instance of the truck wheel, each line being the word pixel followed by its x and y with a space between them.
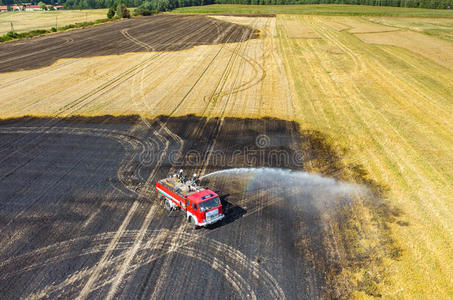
pixel 194 225
pixel 167 205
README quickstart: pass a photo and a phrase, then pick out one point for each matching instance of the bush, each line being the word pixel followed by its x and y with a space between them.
pixel 144 11
pixel 111 12
pixel 53 29
pixel 147 12
pixel 122 11
pixel 12 35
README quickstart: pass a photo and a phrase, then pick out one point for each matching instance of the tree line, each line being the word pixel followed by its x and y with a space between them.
pixel 166 5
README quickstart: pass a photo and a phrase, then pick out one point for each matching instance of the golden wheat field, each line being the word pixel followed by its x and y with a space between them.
pixel 378 88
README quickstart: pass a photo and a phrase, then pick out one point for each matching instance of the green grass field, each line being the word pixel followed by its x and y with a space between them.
pixel 322 9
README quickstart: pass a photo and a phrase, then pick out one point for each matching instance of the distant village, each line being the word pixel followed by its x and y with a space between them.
pixel 29 7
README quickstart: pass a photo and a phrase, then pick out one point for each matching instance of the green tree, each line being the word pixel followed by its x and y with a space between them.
pixel 122 11
pixel 111 12
pixel 42 5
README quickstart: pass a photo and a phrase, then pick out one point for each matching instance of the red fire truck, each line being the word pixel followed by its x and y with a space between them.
pixel 201 206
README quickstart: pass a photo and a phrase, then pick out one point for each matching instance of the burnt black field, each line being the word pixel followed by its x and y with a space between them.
pixel 79 217
pixel 169 33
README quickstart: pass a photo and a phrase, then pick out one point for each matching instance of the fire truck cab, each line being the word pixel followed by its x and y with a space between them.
pixel 201 206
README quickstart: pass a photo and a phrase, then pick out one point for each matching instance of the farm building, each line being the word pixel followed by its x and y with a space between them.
pixel 32 7
pixel 3 8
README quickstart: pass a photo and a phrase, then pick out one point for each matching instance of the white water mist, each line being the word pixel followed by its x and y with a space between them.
pixel 294 186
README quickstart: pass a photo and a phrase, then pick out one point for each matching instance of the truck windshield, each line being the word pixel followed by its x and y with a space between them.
pixel 209 204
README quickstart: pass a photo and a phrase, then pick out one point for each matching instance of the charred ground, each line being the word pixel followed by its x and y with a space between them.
pixel 155 33
pixel 69 185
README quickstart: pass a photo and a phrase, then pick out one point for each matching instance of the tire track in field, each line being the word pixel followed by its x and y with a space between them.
pixel 234 265
pixel 135 146
pixel 180 229
pixel 124 138
pixel 101 89
pixel 138 241
pixel 136 244
pixel 132 252
pixel 126 34
pixel 235 55
pixel 282 69
pixel 165 56
pixel 175 245
pixel 72 106
pixel 117 80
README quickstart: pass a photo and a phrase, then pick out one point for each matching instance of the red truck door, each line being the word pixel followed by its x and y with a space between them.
pixel 192 208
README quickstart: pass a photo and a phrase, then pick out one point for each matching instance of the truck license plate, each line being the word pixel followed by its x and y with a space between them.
pixel 212 214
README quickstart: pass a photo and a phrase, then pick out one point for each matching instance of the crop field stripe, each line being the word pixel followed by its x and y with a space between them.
pixel 204 71
pixel 374 108
pixel 165 54
pixel 381 125
pixel 236 53
pixel 288 47
pixel 441 73
pixel 215 95
pixel 212 99
pixel 26 78
pixel 364 97
pixel 163 125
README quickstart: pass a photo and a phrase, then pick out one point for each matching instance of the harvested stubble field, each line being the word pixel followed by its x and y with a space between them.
pixel 32 20
pixel 116 106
